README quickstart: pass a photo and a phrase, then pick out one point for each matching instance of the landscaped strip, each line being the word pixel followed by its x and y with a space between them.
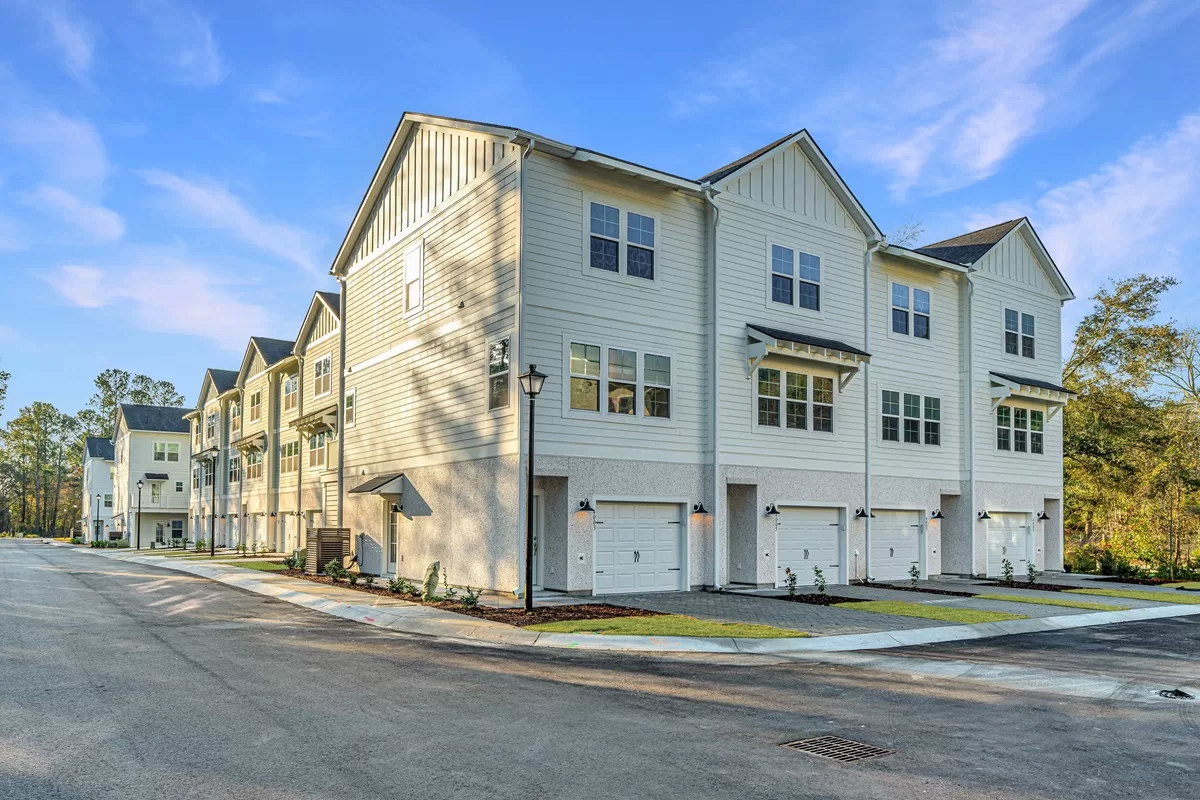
pixel 1051 601
pixel 1182 598
pixel 943 613
pixel 261 566
pixel 667 625
pixel 1189 586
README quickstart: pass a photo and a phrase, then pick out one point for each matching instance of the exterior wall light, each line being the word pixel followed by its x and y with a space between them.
pixel 585 505
pixel 984 515
pixel 1042 516
pixel 772 510
pixel 937 514
pixel 861 513
pixel 699 508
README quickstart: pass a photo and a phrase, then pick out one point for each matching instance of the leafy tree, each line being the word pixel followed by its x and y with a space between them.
pixel 116 386
pixel 4 376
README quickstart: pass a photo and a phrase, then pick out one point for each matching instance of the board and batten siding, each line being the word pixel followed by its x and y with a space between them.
pixel 1009 276
pixel 567 300
pixel 420 379
pixel 788 181
pixel 746 232
pixel 435 165
pixel 906 364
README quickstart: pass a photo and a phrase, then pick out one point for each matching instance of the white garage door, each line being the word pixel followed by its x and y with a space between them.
pixel 639 548
pixel 807 538
pixel 1007 535
pixel 895 544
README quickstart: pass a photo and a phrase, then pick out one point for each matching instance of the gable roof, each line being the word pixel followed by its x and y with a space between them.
pixel 321 300
pixel 333 300
pixel 166 419
pixel 969 248
pixel 272 350
pixel 724 172
pixel 223 379
pixel 99 447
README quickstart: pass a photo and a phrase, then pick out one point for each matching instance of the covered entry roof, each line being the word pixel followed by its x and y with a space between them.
pixel 390 483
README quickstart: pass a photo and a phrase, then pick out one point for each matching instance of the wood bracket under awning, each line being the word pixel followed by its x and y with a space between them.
pixel 317 421
pixel 1055 398
pixel 255 441
pixel 846 361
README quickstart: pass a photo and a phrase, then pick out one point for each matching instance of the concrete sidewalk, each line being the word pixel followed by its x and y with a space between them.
pixel 412 618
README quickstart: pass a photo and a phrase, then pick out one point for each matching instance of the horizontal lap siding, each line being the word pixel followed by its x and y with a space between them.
pixel 746 229
pixel 428 403
pixel 564 302
pixel 928 368
pixel 1009 276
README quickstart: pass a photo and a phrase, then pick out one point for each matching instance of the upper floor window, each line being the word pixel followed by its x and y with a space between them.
pixel 322 379
pixel 1019 334
pixel 414 280
pixel 208 475
pixel 915 421
pixel 316 449
pixel 196 478
pixel 235 469
pixel 256 407
pixel 910 311
pixel 289 457
pixel 235 416
pixel 605 251
pixel 350 412
pixel 498 389
pixel 166 451
pixel 1020 430
pixel 795 278
pixel 178 486
pixel 622 383
pixel 210 426
pixel 794 400
pixel 196 432
pixel 156 493
pixel 290 393
pixel 108 501
pixel 254 464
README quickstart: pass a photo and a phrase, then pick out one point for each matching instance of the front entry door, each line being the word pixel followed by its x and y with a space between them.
pixel 393 536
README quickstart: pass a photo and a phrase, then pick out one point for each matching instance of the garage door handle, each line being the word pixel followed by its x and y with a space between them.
pixel 891 552
pixel 599 572
pixel 672 569
pixel 806 554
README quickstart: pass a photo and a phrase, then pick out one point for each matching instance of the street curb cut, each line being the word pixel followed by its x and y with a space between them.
pixel 425 621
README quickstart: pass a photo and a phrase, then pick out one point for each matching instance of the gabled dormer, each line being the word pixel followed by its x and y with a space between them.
pixel 1011 250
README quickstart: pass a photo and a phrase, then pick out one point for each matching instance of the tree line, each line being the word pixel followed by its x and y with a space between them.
pixel 42 449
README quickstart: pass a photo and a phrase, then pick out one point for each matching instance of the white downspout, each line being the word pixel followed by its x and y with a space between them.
pixel 521 365
pixel 969 417
pixel 714 385
pixel 872 246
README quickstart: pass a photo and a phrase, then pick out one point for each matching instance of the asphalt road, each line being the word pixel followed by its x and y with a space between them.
pixel 125 681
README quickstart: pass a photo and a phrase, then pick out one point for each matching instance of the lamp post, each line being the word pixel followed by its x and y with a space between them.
pixel 531 385
pixel 96 522
pixel 212 511
pixel 138 525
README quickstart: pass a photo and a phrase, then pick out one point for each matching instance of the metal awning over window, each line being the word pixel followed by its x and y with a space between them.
pixel 1006 386
pixel 157 476
pixel 763 341
pixel 391 484
pixel 255 441
pixel 206 455
pixel 323 420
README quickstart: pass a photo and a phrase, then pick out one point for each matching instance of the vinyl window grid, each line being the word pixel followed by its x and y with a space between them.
pixel 291 386
pixel 195 434
pixel 176 529
pixel 795 277
pixel 316 449
pixel 208 473
pixel 210 426
pixel 911 311
pixel 108 501
pixel 179 486
pixel 155 493
pixel 196 478
pixel 910 418
pixel 254 465
pixel 499 372
pixel 256 407
pixel 1020 430
pixel 322 376
pixel 166 451
pixel 235 469
pixel 235 417
pixel 619 381
pixel 414 279
pixel 350 411
pixel 289 457
pixel 793 400
pixel 622 241
pixel 1020 333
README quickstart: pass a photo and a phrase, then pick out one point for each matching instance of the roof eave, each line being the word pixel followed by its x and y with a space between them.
pixel 921 258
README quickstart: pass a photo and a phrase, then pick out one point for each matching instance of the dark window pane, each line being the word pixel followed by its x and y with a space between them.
pixel 782 260
pixel 912 406
pixel 891 429
pixel 1019 441
pixel 810 296
pixel 920 326
pixel 1027 346
pixel 1035 443
pixel 822 390
pixel 640 262
pixel 585 394
pixel 621 397
pixel 768 381
pixel 1010 320
pixel 1010 343
pixel 781 289
pixel 797 416
pixel 604 254
pixel 823 419
pixel 933 432
pixel 1027 324
pixel 498 392
pixel 1002 438
pixel 768 412
pixel 899 321
pixel 810 268
pixel 891 403
pixel 657 402
pixel 912 431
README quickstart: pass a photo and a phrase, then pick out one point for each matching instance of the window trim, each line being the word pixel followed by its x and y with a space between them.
pixel 811 374
pixel 797 249
pixel 911 312
pixel 256 406
pixel 327 357
pixel 284 467
pixel 624 207
pixel 639 413
pixel 293 396
pixel 1021 314
pixel 234 465
pixel 350 402
pixel 419 247
pixel 900 416
pixel 256 463
pixel 323 450
pixel 510 405
pixel 1012 428
pixel 166 451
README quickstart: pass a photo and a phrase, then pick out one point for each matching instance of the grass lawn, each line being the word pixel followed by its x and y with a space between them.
pixel 261 566
pixel 1183 598
pixel 1051 601
pixel 1193 585
pixel 666 625
pixel 943 613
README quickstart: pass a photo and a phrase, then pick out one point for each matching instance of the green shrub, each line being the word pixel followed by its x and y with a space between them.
pixel 335 570
pixel 914 574
pixel 1006 571
pixel 470 598
pixel 819 580
pixel 352 577
pixel 790 581
pixel 368 581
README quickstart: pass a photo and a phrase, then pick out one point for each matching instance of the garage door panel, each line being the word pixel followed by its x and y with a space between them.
pixel 895 544
pixel 640 549
pixel 807 538
pixel 1007 538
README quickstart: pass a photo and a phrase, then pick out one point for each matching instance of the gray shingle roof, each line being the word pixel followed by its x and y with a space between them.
pixel 734 166
pixel 99 447
pixel 804 338
pixel 333 300
pixel 1035 382
pixel 372 485
pixel 223 379
pixel 273 350
pixel 970 247
pixel 167 419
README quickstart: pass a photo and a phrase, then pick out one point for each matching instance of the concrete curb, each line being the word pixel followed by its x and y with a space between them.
pixel 425 621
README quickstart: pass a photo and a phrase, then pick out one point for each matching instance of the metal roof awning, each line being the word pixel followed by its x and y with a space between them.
pixel 323 420
pixel 157 476
pixel 255 441
pixel 390 484
pixel 764 341
pixel 205 455
pixel 1005 386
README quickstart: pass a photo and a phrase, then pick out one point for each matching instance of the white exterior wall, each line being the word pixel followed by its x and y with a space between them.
pixel 97 480
pixel 135 458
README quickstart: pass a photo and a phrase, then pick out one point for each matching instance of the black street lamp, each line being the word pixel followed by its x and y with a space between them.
pixel 96 522
pixel 138 525
pixel 212 511
pixel 531 385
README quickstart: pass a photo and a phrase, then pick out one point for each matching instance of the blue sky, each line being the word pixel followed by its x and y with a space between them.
pixel 175 177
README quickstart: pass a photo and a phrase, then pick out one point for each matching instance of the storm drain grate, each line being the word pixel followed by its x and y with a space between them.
pixel 1174 694
pixel 837 748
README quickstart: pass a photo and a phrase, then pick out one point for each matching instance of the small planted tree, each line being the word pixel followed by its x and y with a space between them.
pixel 819 580
pixel 1006 571
pixel 1032 573
pixel 790 581
pixel 914 574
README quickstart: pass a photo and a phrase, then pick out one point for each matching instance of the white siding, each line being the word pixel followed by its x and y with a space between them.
pixel 789 182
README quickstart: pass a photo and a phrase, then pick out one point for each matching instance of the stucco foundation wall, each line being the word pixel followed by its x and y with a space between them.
pixel 956 534
pixel 611 479
pixel 463 515
pixel 1017 498
pixel 741 532
pixel 555 511
pixel 920 494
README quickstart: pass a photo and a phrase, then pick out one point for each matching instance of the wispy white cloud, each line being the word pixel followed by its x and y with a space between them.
pixel 183 41
pixel 284 85
pixel 72 35
pixel 1135 213
pixel 99 223
pixel 70 148
pixel 10 235
pixel 212 205
pixel 165 295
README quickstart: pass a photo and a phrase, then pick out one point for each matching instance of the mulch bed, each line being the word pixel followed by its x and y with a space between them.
pixel 509 616
pixel 921 589
pixel 1137 581
pixel 1040 587
pixel 815 599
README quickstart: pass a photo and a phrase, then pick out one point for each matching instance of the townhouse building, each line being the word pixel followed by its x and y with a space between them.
pixel 152 452
pixel 99 464
pixel 744 377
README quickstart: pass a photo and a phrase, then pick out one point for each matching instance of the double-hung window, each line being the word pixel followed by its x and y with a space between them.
pixel 156 493
pixel 289 457
pixel 196 478
pixel 210 426
pixel 628 378
pixel 608 250
pixel 208 475
pixel 235 469
pixel 498 371
pixel 1019 334
pixel 166 451
pixel 1037 425
pixel 108 501
pixel 316 450
pixel 794 400
pixel 350 412
pixel 910 311
pixel 291 385
pixel 235 417
pixel 179 486
pixel 910 418
pixel 196 433
pixel 795 278
pixel 256 407
pixel 1020 430
pixel 414 280
pixel 254 465
pixel 322 380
